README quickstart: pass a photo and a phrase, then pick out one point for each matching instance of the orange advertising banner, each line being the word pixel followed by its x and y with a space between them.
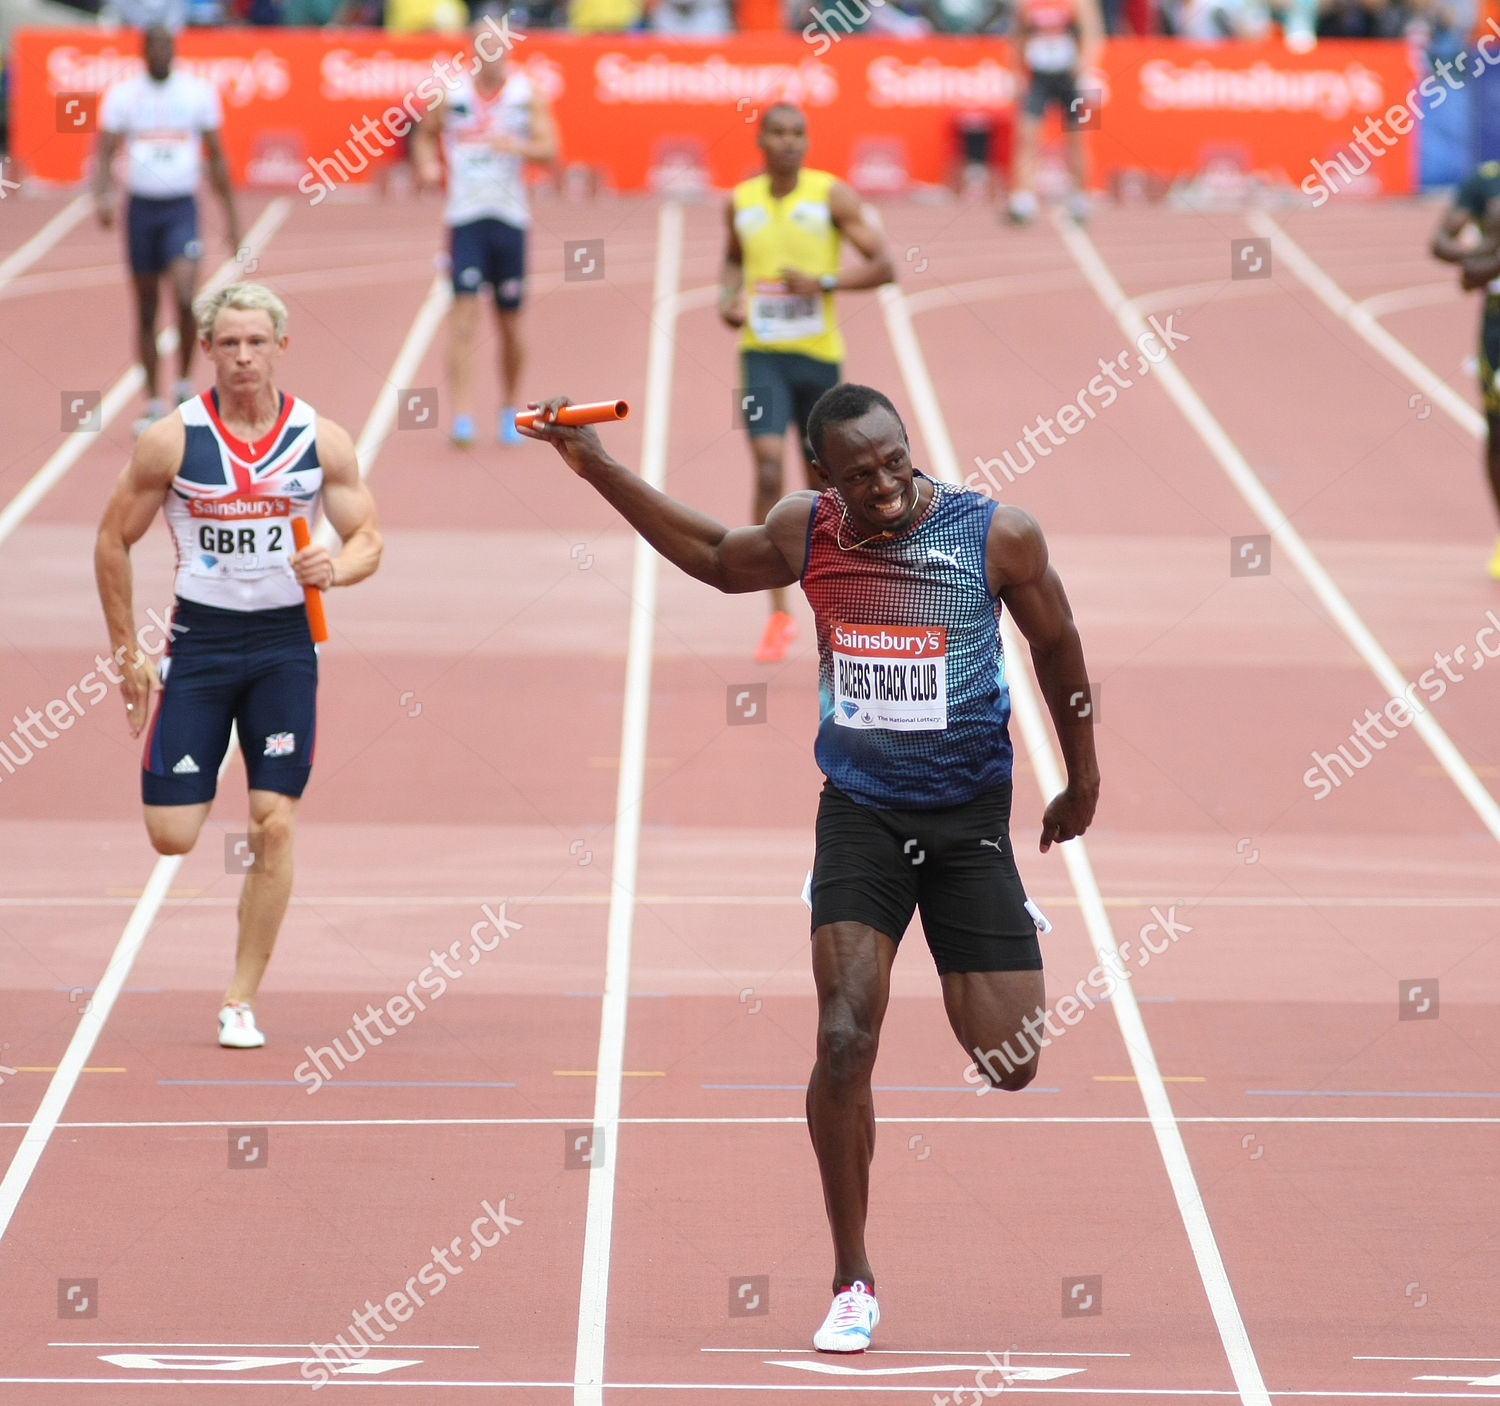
pixel 312 109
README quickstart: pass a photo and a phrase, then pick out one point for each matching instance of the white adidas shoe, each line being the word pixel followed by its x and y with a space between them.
pixel 237 1028
pixel 850 1321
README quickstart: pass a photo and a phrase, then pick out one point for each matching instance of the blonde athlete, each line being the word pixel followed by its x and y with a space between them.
pixel 230 469
pixel 781 269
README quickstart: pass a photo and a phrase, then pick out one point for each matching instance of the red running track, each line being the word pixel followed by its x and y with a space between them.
pixel 474 697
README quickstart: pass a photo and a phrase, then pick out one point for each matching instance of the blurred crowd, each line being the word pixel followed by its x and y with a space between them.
pixel 1431 23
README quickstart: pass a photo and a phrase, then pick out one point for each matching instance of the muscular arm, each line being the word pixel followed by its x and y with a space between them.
pixel 1472 243
pixel 137 495
pixel 849 218
pixel 732 560
pixel 350 509
pixel 1448 242
pixel 1021 575
pixel 218 175
pixel 732 272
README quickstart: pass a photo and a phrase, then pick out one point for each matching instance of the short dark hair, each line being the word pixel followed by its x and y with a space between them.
pixel 845 402
pixel 765 117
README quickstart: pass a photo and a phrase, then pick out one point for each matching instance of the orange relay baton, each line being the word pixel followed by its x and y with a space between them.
pixel 593 413
pixel 316 621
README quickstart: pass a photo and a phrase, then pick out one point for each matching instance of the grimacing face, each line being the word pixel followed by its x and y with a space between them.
pixel 869 462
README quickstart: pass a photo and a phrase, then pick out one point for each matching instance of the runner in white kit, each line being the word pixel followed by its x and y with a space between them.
pixel 490 123
pixel 230 470
pixel 165 120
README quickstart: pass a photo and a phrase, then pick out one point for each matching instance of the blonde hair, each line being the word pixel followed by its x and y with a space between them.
pixel 241 297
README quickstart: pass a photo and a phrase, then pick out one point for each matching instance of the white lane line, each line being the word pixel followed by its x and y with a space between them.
pixel 1286 251
pixel 369 1347
pixel 1003 286
pixel 16 263
pixel 1405 299
pixel 91 1023
pixel 708 1389
pixel 90 1026
pixel 734 900
pixel 918 1352
pixel 1031 720
pixel 115 399
pixel 789 1120
pixel 1266 508
pixel 593 1293
pixel 387 400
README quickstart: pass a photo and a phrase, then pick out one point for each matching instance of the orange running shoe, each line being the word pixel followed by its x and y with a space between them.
pixel 780 631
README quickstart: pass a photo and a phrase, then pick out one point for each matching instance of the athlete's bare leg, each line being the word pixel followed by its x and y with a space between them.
pixel 174 829
pixel 1078 165
pixel 512 352
pixel 268 884
pixel 146 303
pixel 267 890
pixel 987 1011
pixel 463 325
pixel 1023 162
pixel 852 972
pixel 767 452
pixel 184 276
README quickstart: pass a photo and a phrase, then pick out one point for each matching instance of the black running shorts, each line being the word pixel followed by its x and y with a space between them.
pixel 955 866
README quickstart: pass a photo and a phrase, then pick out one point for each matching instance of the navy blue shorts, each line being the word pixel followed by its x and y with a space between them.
pixel 256 669
pixel 954 864
pixel 489 251
pixel 777 388
pixel 1059 89
pixel 161 231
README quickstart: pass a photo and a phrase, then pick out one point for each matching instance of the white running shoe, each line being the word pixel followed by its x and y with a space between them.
pixel 237 1028
pixel 850 1321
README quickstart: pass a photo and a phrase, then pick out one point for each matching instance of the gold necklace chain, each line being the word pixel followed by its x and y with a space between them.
pixel 844 517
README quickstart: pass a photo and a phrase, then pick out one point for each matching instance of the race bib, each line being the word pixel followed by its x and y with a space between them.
pixel 165 160
pixel 1051 53
pixel 475 159
pixel 779 316
pixel 240 538
pixel 890 676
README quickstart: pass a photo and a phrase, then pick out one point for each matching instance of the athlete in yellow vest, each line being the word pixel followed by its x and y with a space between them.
pixel 781 268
